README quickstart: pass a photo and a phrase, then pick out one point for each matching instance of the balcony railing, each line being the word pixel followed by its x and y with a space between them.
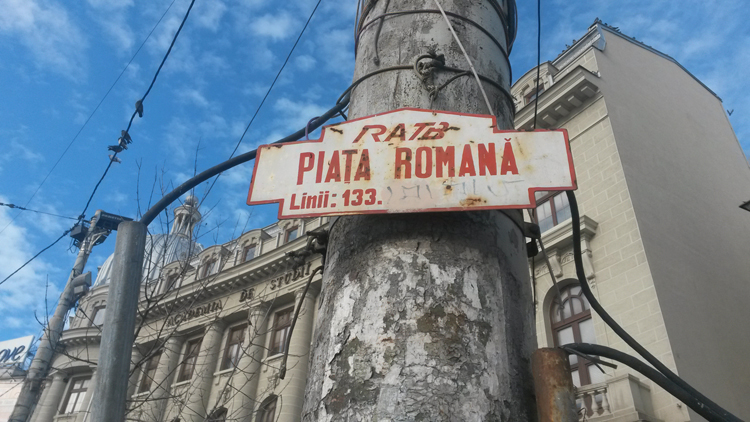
pixel 592 401
pixel 623 398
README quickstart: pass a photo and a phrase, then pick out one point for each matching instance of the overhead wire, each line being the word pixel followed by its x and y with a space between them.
pixel 139 111
pixel 268 92
pixel 185 187
pixel 106 94
pixel 466 55
pixel 34 257
pixel 18 207
pixel 139 106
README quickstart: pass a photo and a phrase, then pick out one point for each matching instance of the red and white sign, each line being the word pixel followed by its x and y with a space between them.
pixel 411 160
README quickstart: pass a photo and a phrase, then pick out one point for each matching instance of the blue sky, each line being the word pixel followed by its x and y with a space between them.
pixel 58 59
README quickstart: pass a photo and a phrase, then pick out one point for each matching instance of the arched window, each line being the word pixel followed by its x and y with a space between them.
pixel 267 412
pixel 572 323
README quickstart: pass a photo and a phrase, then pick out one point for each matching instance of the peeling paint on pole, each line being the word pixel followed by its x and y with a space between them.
pixel 425 317
pixel 425 337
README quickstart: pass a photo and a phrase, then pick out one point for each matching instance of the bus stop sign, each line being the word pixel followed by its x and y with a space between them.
pixel 411 160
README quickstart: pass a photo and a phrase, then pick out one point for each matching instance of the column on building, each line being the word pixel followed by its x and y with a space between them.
pixel 156 404
pixel 293 393
pixel 86 406
pixel 196 401
pixel 135 357
pixel 245 379
pixel 42 398
pixel 48 409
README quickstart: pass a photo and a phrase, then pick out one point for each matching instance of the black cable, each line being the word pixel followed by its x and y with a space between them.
pixel 167 199
pixel 36 211
pixel 106 94
pixel 257 110
pixel 139 110
pixel 462 72
pixel 629 340
pixel 510 26
pixel 169 50
pixel 380 18
pixel 34 257
pixel 671 387
pixel 282 368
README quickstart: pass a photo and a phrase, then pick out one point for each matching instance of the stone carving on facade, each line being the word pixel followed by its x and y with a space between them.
pixel 541 270
pixel 554 261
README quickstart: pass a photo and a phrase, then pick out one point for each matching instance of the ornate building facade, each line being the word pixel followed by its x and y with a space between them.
pixel 660 178
pixel 213 326
pixel 656 161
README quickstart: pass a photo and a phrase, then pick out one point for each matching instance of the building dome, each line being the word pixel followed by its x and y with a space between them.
pixel 191 201
pixel 162 249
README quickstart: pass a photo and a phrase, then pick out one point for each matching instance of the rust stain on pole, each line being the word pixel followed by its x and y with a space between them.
pixel 555 394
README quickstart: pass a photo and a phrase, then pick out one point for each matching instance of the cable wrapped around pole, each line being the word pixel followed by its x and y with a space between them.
pixel 629 340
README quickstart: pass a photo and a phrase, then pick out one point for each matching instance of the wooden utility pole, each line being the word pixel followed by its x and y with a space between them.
pixel 427 316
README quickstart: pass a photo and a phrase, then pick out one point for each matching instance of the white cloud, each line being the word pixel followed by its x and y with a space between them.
pixel 17 150
pixel 338 47
pixel 111 15
pixel 209 14
pixel 305 62
pixel 110 4
pixel 182 136
pixel 295 114
pixel 276 27
pixel 24 292
pixel 47 31
pixel 193 96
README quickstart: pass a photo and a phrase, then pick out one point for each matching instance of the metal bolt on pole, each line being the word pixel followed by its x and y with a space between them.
pixel 427 316
pixel 118 331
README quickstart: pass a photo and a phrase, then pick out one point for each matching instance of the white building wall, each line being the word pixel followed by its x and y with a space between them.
pixel 687 176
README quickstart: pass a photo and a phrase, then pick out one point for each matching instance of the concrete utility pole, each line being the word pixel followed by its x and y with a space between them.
pixel 40 365
pixel 426 316
pixel 119 324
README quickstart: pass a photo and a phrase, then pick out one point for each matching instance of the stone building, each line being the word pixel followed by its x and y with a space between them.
pixel 660 177
pixel 212 328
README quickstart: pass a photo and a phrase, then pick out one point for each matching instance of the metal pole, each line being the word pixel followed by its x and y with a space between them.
pixel 40 365
pixel 426 316
pixel 119 324
pixel 555 394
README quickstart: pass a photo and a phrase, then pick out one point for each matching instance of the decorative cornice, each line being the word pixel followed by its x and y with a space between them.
pixel 83 336
pixel 561 100
pixel 558 242
pixel 561 236
pixel 245 274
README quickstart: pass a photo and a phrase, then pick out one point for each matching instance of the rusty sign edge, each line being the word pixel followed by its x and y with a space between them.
pixel 531 191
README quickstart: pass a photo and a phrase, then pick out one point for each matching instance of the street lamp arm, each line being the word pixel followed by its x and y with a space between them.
pixel 167 199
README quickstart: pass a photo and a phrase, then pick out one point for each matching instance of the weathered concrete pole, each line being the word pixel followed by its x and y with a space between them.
pixel 426 316
pixel 118 331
